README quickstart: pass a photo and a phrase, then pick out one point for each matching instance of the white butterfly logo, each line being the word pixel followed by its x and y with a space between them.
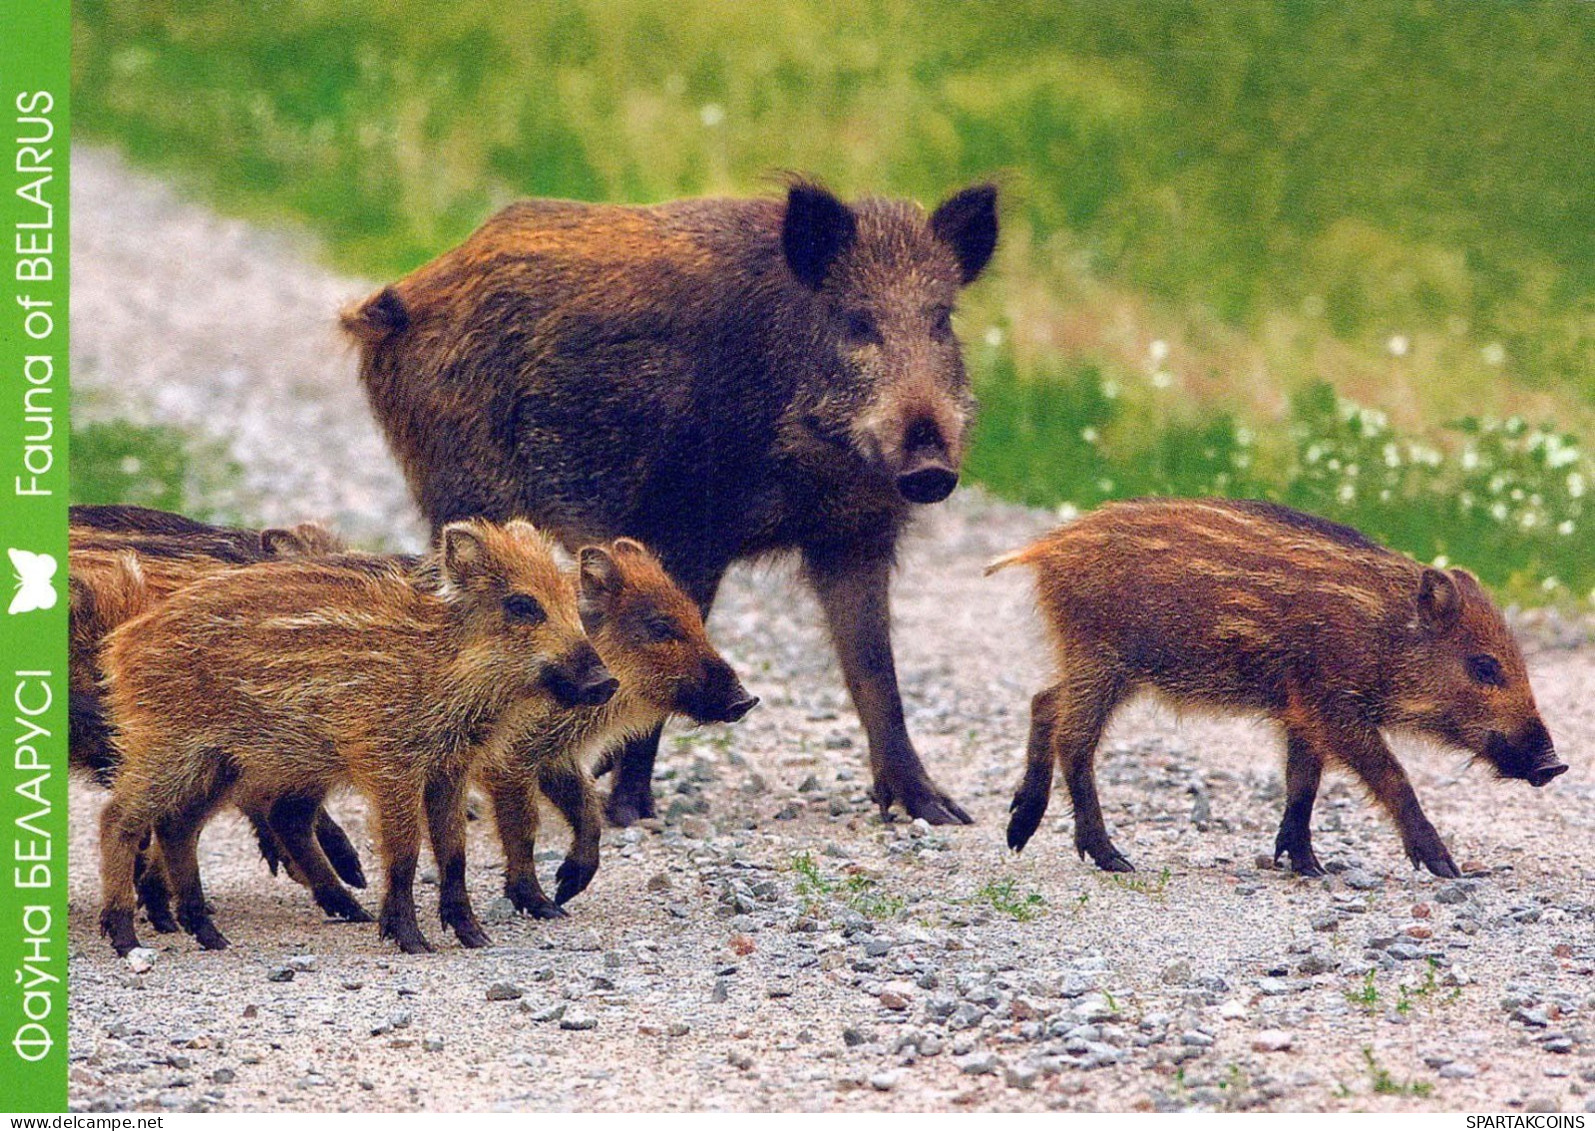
pixel 35 589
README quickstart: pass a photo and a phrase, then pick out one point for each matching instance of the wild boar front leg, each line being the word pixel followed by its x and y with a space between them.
pixel 1085 700
pixel 853 589
pixel 568 785
pixel 398 814
pixel 445 818
pixel 1361 747
pixel 1303 769
pixel 340 852
pixel 631 792
pixel 119 848
pixel 631 795
pixel 1030 801
pixel 515 814
pixel 179 838
pixel 292 821
pixel 149 871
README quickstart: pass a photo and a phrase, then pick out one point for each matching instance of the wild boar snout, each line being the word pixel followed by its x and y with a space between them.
pixel 582 680
pixel 1530 756
pixel 929 471
pixel 718 697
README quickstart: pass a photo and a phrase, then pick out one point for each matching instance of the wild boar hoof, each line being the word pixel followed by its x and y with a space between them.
pixel 1026 813
pixel 341 854
pixel 1426 850
pixel 1441 865
pixel 921 800
pixel 208 937
pixel 339 904
pixel 573 876
pixel 1305 863
pixel 527 897
pixel 161 920
pixel 1108 858
pixel 626 807
pixel 118 927
pixel 405 933
pixel 471 935
pixel 1303 860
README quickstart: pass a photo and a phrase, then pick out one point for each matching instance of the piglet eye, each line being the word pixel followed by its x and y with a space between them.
pixel 1486 670
pixel 941 323
pixel 860 326
pixel 661 631
pixel 520 607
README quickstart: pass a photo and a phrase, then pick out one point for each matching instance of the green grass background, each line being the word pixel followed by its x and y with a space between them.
pixel 1337 254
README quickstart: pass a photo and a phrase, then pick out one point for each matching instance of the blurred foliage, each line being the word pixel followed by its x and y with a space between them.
pixel 115 461
pixel 1397 198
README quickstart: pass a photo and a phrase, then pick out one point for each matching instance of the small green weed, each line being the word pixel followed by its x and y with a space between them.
pixel 1384 1084
pixel 1002 896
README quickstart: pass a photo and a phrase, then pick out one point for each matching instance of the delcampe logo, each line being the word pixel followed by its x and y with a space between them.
pixel 35 581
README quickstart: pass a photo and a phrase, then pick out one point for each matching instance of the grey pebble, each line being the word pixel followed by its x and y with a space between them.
pixel 981 1063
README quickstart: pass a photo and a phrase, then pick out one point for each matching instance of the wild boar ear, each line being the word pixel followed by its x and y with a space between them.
pixel 1439 601
pixel 629 547
pixel 599 581
pixel 817 228
pixel 276 542
pixel 465 555
pixel 967 223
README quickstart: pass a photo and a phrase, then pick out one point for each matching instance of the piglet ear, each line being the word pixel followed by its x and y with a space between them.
pixel 298 541
pixel 599 581
pixel 816 230
pixel 465 555
pixel 967 223
pixel 1439 601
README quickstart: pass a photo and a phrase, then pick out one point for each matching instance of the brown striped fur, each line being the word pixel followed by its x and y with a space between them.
pixel 122 561
pixel 650 635
pixel 719 379
pixel 281 681
pixel 1255 607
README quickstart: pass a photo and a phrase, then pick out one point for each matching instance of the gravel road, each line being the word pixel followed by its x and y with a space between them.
pixel 770 943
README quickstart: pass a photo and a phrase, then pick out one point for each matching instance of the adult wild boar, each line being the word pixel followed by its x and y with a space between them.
pixel 719 379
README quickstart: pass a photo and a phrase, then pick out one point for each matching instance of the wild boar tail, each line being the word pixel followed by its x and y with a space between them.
pixel 374 320
pixel 1017 557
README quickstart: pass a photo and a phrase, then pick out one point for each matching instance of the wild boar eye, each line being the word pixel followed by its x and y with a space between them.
pixel 860 327
pixel 1486 670
pixel 660 631
pixel 520 607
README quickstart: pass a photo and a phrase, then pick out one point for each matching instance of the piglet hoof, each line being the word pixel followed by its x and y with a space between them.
pixel 1440 863
pixel 208 937
pixel 118 927
pixel 406 934
pixel 573 876
pixel 921 800
pixel 459 918
pixel 1303 860
pixel 340 853
pixel 526 896
pixel 471 935
pixel 626 806
pixel 1427 850
pixel 1305 863
pixel 339 904
pixel 1106 857
pixel 1024 819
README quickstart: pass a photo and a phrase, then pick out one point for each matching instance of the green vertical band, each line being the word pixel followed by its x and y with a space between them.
pixel 34 77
